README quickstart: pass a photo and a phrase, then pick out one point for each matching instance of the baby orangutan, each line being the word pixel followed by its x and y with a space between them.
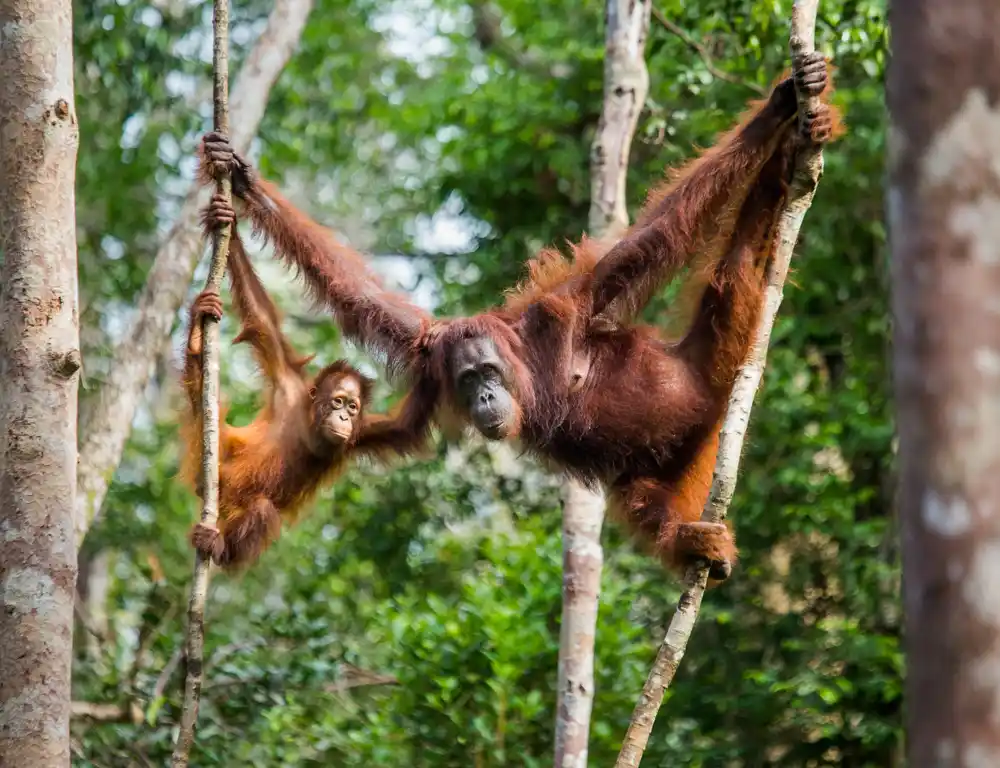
pixel 301 438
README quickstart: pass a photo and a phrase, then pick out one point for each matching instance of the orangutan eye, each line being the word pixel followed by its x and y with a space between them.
pixel 353 407
pixel 338 402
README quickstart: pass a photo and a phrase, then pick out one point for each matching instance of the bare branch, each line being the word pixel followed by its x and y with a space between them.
pixel 808 167
pixel 107 713
pixel 356 677
pixel 626 84
pixel 195 648
pixel 108 422
pixel 147 636
pixel 166 673
pixel 486 20
pixel 86 621
pixel 702 51
pixel 351 677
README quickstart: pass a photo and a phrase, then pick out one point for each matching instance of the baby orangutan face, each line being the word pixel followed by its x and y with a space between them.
pixel 337 408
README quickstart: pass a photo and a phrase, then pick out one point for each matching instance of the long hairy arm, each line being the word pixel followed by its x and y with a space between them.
pixel 692 215
pixel 260 321
pixel 261 326
pixel 404 431
pixel 383 321
pixel 206 303
pixel 191 376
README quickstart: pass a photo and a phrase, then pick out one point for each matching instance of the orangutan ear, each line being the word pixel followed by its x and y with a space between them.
pixel 312 393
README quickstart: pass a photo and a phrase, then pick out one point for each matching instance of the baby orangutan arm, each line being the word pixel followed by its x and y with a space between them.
pixel 259 317
pixel 206 304
pixel 404 432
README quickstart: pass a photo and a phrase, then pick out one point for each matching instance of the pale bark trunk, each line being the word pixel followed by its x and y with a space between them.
pixel 108 420
pixel 583 557
pixel 808 168
pixel 944 165
pixel 626 83
pixel 39 365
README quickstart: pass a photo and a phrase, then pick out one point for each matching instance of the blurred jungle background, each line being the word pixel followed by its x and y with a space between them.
pixel 411 619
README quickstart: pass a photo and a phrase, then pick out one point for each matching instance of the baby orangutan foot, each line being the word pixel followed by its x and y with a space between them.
pixel 720 570
pixel 711 542
pixel 209 541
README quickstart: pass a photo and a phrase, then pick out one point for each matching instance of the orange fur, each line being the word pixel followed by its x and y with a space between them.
pixel 271 468
pixel 604 399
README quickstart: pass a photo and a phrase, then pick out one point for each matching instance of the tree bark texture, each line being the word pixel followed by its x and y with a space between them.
pixel 583 558
pixel 808 168
pixel 626 83
pixel 944 199
pixel 108 421
pixel 39 372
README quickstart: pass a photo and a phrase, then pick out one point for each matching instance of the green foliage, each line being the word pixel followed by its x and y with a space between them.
pixel 444 574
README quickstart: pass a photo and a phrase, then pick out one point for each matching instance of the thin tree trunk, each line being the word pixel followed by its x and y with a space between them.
pixel 583 558
pixel 808 167
pixel 626 83
pixel 108 419
pixel 195 648
pixel 39 365
pixel 944 166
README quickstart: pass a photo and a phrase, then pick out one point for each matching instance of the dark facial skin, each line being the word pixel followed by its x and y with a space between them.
pixel 337 410
pixel 478 372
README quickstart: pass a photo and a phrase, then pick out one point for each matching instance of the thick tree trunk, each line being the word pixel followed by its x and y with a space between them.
pixel 944 159
pixel 108 420
pixel 626 83
pixel 39 364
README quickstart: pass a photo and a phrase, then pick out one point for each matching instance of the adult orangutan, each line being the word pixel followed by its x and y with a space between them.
pixel 301 439
pixel 561 364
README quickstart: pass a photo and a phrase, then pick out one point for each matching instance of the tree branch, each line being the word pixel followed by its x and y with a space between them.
pixel 486 21
pixel 808 167
pixel 106 713
pixel 356 677
pixel 210 411
pixel 626 84
pixel 86 620
pixel 163 679
pixel 108 421
pixel 702 51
